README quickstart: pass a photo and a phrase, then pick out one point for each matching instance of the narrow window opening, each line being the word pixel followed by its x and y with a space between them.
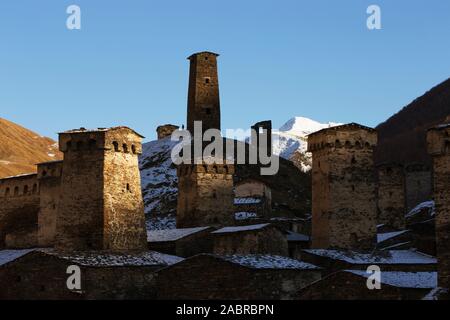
pixel 16 191
pixel 25 190
pixel 208 110
pixel 125 148
pixel 116 146
pixel 7 192
pixel 133 149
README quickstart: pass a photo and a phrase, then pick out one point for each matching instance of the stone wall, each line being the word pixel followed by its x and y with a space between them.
pixel 39 276
pixel 49 176
pixel 207 277
pixel 165 130
pixel 205 195
pixel 418 184
pixel 344 210
pixel 391 195
pixel 438 140
pixel 268 240
pixel 101 203
pixel 19 207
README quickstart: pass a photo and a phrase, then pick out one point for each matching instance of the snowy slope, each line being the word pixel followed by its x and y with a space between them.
pixel 290 141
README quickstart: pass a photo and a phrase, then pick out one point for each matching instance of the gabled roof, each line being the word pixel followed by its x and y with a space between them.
pixel 7 256
pixel 167 235
pixel 386 257
pixel 242 228
pixel 422 280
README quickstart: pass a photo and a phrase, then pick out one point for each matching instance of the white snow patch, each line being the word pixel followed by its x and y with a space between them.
pixel 7 256
pixel 424 205
pixel 249 200
pixel 242 228
pixel 258 261
pixel 244 215
pixel 387 257
pixel 172 234
pixel 389 235
pixel 421 280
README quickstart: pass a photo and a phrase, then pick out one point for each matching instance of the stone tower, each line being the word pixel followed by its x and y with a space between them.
pixel 203 94
pixel 49 177
pixel 205 196
pixel 344 209
pixel 101 205
pixel 438 140
pixel 391 195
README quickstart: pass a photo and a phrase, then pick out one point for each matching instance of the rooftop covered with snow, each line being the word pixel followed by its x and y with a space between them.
pixel 420 280
pixel 252 227
pixel 259 261
pixel 7 256
pixel 385 257
pixel 172 234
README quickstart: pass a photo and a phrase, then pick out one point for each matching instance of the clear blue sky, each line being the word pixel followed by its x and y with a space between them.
pixel 279 59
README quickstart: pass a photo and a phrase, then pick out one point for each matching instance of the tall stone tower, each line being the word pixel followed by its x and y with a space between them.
pixel 438 140
pixel 101 206
pixel 203 94
pixel 391 195
pixel 344 210
pixel 205 196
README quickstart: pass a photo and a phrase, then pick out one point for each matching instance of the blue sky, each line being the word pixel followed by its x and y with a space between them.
pixel 278 59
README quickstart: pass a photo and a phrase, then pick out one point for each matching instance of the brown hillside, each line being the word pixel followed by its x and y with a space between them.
pixel 402 138
pixel 21 149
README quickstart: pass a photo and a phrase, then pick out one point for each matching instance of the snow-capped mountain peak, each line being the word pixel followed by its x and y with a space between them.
pixel 302 126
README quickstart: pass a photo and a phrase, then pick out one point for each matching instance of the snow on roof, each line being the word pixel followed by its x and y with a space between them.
pixel 171 234
pixel 389 235
pixel 107 259
pixel 294 236
pixel 424 205
pixel 246 200
pixel 242 228
pixel 421 280
pixel 244 215
pixel 386 257
pixel 7 256
pixel 259 261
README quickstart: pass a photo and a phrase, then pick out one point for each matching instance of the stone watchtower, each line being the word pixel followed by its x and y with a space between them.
pixel 101 205
pixel 344 210
pixel 203 94
pixel 438 140
pixel 206 196
pixel 391 195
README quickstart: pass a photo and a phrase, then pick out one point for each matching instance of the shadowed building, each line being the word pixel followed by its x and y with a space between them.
pixel 438 140
pixel 344 209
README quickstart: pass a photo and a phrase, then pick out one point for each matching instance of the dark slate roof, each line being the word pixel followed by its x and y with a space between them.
pixel 7 256
pixel 260 261
pixel 422 280
pixel 172 234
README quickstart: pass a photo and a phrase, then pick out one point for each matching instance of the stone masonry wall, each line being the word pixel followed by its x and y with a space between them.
pixel 265 241
pixel 19 207
pixel 344 188
pixel 49 176
pixel 438 140
pixel 205 195
pixel 418 184
pixel 391 196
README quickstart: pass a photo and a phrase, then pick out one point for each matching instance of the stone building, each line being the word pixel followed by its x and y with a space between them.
pixel 391 195
pixel 240 277
pixel 252 239
pixel 205 196
pixel 344 210
pixel 418 184
pixel 438 140
pixel 203 92
pixel 181 242
pixel 49 176
pixel 388 260
pixel 352 285
pixel 43 274
pixel 165 130
pixel 101 206
pixel 19 196
pixel 253 196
